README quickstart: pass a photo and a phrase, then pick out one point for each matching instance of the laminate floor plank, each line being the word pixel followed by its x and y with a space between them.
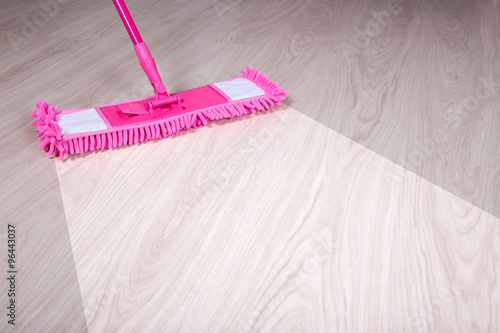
pixel 369 201
pixel 315 237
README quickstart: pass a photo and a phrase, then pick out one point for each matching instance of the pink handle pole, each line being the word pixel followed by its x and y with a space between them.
pixel 147 61
pixel 128 22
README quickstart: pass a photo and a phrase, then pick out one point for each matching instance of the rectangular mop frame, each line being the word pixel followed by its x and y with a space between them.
pixel 74 131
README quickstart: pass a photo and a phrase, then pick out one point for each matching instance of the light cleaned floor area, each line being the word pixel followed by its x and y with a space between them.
pixel 367 202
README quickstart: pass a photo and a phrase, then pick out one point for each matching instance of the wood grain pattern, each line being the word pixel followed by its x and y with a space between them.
pixel 369 202
pixel 304 232
pixel 45 288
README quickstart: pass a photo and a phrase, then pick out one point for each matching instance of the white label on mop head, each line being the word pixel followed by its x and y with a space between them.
pixel 81 121
pixel 239 89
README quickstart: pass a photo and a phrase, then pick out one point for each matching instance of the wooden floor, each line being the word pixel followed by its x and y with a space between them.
pixel 367 202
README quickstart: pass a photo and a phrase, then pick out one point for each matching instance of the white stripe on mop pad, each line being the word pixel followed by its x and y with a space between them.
pixel 239 88
pixel 81 121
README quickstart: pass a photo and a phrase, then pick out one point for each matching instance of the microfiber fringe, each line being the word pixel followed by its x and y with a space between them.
pixel 54 143
pixel 274 93
pixel 48 129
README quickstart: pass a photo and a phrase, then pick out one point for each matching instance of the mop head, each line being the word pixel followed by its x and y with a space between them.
pixel 65 132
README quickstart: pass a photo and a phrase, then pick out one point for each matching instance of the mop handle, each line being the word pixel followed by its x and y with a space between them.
pixel 128 21
pixel 147 61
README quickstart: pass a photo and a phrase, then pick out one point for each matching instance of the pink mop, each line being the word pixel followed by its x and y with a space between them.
pixel 74 131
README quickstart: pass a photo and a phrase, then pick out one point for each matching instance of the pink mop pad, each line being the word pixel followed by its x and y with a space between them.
pixel 74 131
